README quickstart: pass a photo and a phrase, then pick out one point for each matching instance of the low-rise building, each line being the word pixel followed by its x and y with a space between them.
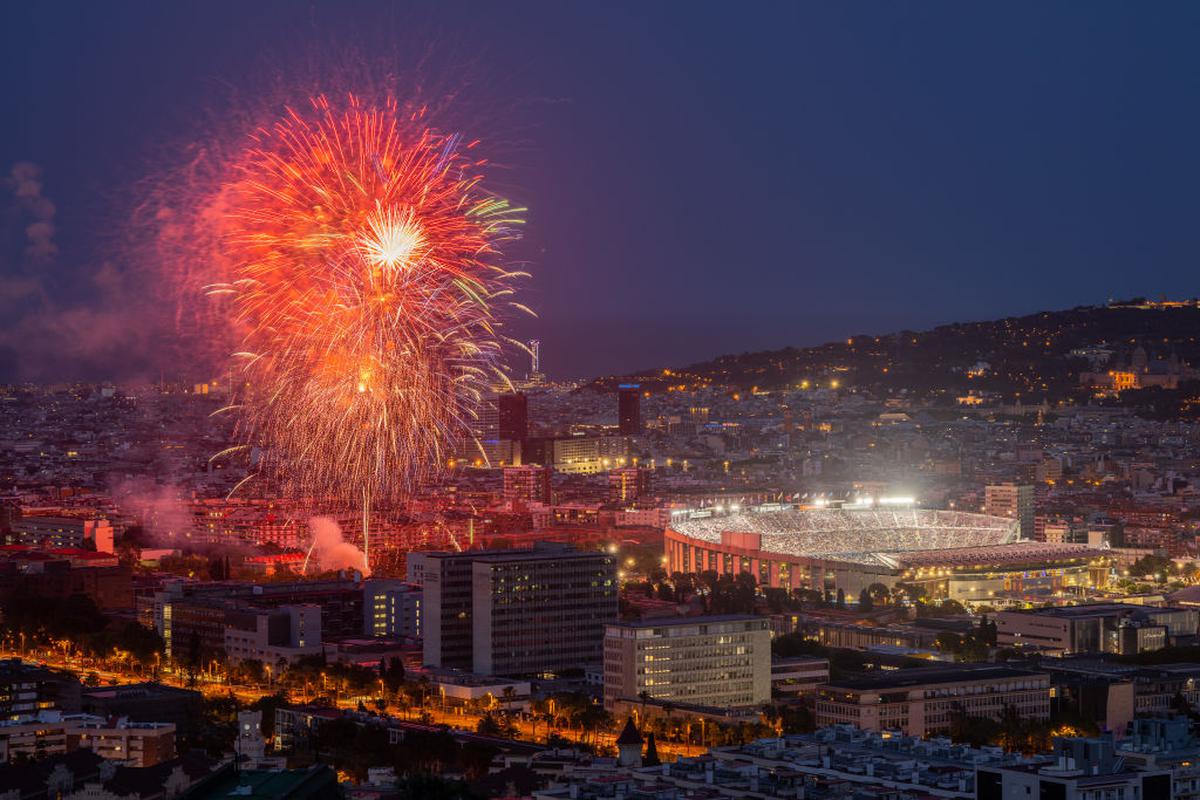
pixel 26 689
pixel 1096 628
pixel 1084 769
pixel 139 744
pixel 925 700
pixel 798 675
pixel 391 608
pixel 271 635
pixel 478 692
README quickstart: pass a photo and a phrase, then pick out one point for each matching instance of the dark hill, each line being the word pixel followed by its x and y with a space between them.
pixel 1034 357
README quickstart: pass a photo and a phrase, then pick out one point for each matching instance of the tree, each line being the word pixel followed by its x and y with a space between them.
pixel 793 645
pixel 987 631
pixel 880 595
pixel 912 592
pixel 650 759
pixel 841 598
pixel 488 726
pixel 192 658
pixel 864 601
pixel 1151 565
pixel 948 642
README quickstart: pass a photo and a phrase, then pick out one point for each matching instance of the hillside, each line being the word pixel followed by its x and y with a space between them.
pixel 1034 357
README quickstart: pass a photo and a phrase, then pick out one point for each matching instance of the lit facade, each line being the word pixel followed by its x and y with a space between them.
pixel 715 662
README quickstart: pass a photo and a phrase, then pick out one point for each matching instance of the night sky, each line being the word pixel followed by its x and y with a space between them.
pixel 702 178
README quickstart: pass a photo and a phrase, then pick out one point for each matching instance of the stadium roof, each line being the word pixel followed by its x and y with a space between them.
pixel 863 536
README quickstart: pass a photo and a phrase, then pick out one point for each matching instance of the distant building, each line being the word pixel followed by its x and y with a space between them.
pixel 63 532
pixel 60 573
pixel 584 455
pixel 200 628
pixel 629 484
pixel 717 662
pixel 1139 369
pixel 527 484
pixel 629 409
pixel 1013 501
pixel 466 690
pixel 512 418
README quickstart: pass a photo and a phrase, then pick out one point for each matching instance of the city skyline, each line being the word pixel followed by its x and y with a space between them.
pixel 924 165
pixel 567 401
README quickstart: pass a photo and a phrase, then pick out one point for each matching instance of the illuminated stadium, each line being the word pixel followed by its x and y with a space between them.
pixel 850 548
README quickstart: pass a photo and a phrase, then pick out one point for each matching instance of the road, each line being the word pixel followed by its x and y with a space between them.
pixel 215 687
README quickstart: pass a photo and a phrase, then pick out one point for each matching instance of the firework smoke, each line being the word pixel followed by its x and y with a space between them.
pixel 330 551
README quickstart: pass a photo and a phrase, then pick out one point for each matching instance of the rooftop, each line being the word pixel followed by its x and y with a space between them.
pixel 919 676
pixel 667 622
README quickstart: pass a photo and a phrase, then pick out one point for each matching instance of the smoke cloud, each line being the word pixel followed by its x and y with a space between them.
pixel 25 181
pixel 161 509
pixel 330 551
pixel 70 321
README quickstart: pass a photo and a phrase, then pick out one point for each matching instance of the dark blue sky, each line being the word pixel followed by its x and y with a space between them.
pixel 702 178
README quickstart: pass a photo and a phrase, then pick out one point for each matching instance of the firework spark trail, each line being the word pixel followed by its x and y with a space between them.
pixel 364 271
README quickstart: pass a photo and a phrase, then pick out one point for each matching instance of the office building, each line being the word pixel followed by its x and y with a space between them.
pixel 718 662
pixel 1013 501
pixel 446 590
pixel 516 612
pixel 199 628
pixel 923 701
pixel 629 409
pixel 541 610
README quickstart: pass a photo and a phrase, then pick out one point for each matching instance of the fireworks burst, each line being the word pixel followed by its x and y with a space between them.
pixel 364 272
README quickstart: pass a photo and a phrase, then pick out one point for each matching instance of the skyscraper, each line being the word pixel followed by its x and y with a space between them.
pixel 516 612
pixel 629 408
pixel 512 417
